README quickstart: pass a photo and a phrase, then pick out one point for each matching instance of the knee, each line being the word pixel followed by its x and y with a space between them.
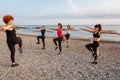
pixel 19 39
pixel 54 39
pixel 37 36
pixel 86 46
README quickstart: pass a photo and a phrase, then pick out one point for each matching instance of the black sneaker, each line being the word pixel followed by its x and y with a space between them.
pixel 43 48
pixel 59 53
pixel 67 46
pixel 56 48
pixel 14 65
pixel 20 50
pixel 94 62
pixel 37 43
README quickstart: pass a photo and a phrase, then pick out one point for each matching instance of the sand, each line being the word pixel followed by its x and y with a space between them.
pixel 73 64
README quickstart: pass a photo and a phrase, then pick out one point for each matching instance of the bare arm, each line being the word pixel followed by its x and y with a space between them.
pixel 89 28
pixel 91 31
pixel 110 32
pixel 49 31
pixel 54 29
pixel 72 29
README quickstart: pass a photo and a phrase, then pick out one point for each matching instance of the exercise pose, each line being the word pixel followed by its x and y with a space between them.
pixel 59 38
pixel 97 31
pixel 12 39
pixel 67 35
pixel 43 30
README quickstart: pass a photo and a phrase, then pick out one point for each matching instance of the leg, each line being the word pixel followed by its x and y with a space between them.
pixel 20 42
pixel 60 42
pixel 67 36
pixel 55 42
pixel 95 53
pixel 43 41
pixel 20 45
pixel 12 50
pixel 89 47
pixel 38 40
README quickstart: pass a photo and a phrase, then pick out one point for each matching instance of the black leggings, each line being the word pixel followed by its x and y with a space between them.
pixel 43 40
pixel 59 39
pixel 93 48
pixel 11 44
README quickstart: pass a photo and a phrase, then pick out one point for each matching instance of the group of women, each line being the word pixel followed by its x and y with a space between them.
pixel 12 39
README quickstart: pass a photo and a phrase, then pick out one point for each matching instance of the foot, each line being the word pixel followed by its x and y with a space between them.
pixel 59 53
pixel 94 62
pixel 56 47
pixel 20 50
pixel 43 48
pixel 37 43
pixel 63 40
pixel 14 64
pixel 67 46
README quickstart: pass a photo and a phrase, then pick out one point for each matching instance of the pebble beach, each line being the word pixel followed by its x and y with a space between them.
pixel 73 64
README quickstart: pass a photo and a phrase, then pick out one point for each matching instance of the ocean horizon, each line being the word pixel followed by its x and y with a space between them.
pixel 74 34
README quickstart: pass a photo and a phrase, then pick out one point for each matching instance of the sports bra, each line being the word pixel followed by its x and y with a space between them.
pixel 96 35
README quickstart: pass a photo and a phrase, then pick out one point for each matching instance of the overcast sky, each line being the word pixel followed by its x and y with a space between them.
pixel 77 12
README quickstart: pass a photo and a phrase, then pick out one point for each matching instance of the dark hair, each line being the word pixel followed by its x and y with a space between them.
pixel 68 26
pixel 98 26
pixel 59 24
pixel 7 18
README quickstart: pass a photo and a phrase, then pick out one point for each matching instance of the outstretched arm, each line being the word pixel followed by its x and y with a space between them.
pixel 110 32
pixel 54 29
pixel 71 29
pixel 49 31
pixel 91 31
pixel 89 28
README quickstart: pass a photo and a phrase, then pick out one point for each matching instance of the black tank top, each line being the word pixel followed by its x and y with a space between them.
pixel 43 33
pixel 11 35
pixel 96 35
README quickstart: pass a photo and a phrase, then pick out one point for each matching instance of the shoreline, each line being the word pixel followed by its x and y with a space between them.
pixel 79 39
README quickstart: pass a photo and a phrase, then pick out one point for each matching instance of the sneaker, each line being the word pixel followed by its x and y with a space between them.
pixel 59 53
pixel 94 62
pixel 20 50
pixel 56 47
pixel 37 43
pixel 14 65
pixel 63 40
pixel 67 46
pixel 43 48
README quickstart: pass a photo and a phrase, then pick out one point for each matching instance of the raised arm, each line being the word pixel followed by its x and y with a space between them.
pixel 53 29
pixel 91 31
pixel 49 31
pixel 110 32
pixel 89 28
pixel 72 29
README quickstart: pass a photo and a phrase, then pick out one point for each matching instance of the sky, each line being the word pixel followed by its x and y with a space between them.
pixel 51 12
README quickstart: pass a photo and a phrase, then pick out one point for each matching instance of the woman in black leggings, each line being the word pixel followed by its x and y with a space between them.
pixel 12 39
pixel 59 38
pixel 43 30
pixel 97 31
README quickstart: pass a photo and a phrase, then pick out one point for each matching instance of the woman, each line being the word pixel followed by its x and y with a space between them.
pixel 67 35
pixel 59 38
pixel 43 30
pixel 97 31
pixel 12 39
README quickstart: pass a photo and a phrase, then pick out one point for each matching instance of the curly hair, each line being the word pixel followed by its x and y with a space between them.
pixel 7 18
